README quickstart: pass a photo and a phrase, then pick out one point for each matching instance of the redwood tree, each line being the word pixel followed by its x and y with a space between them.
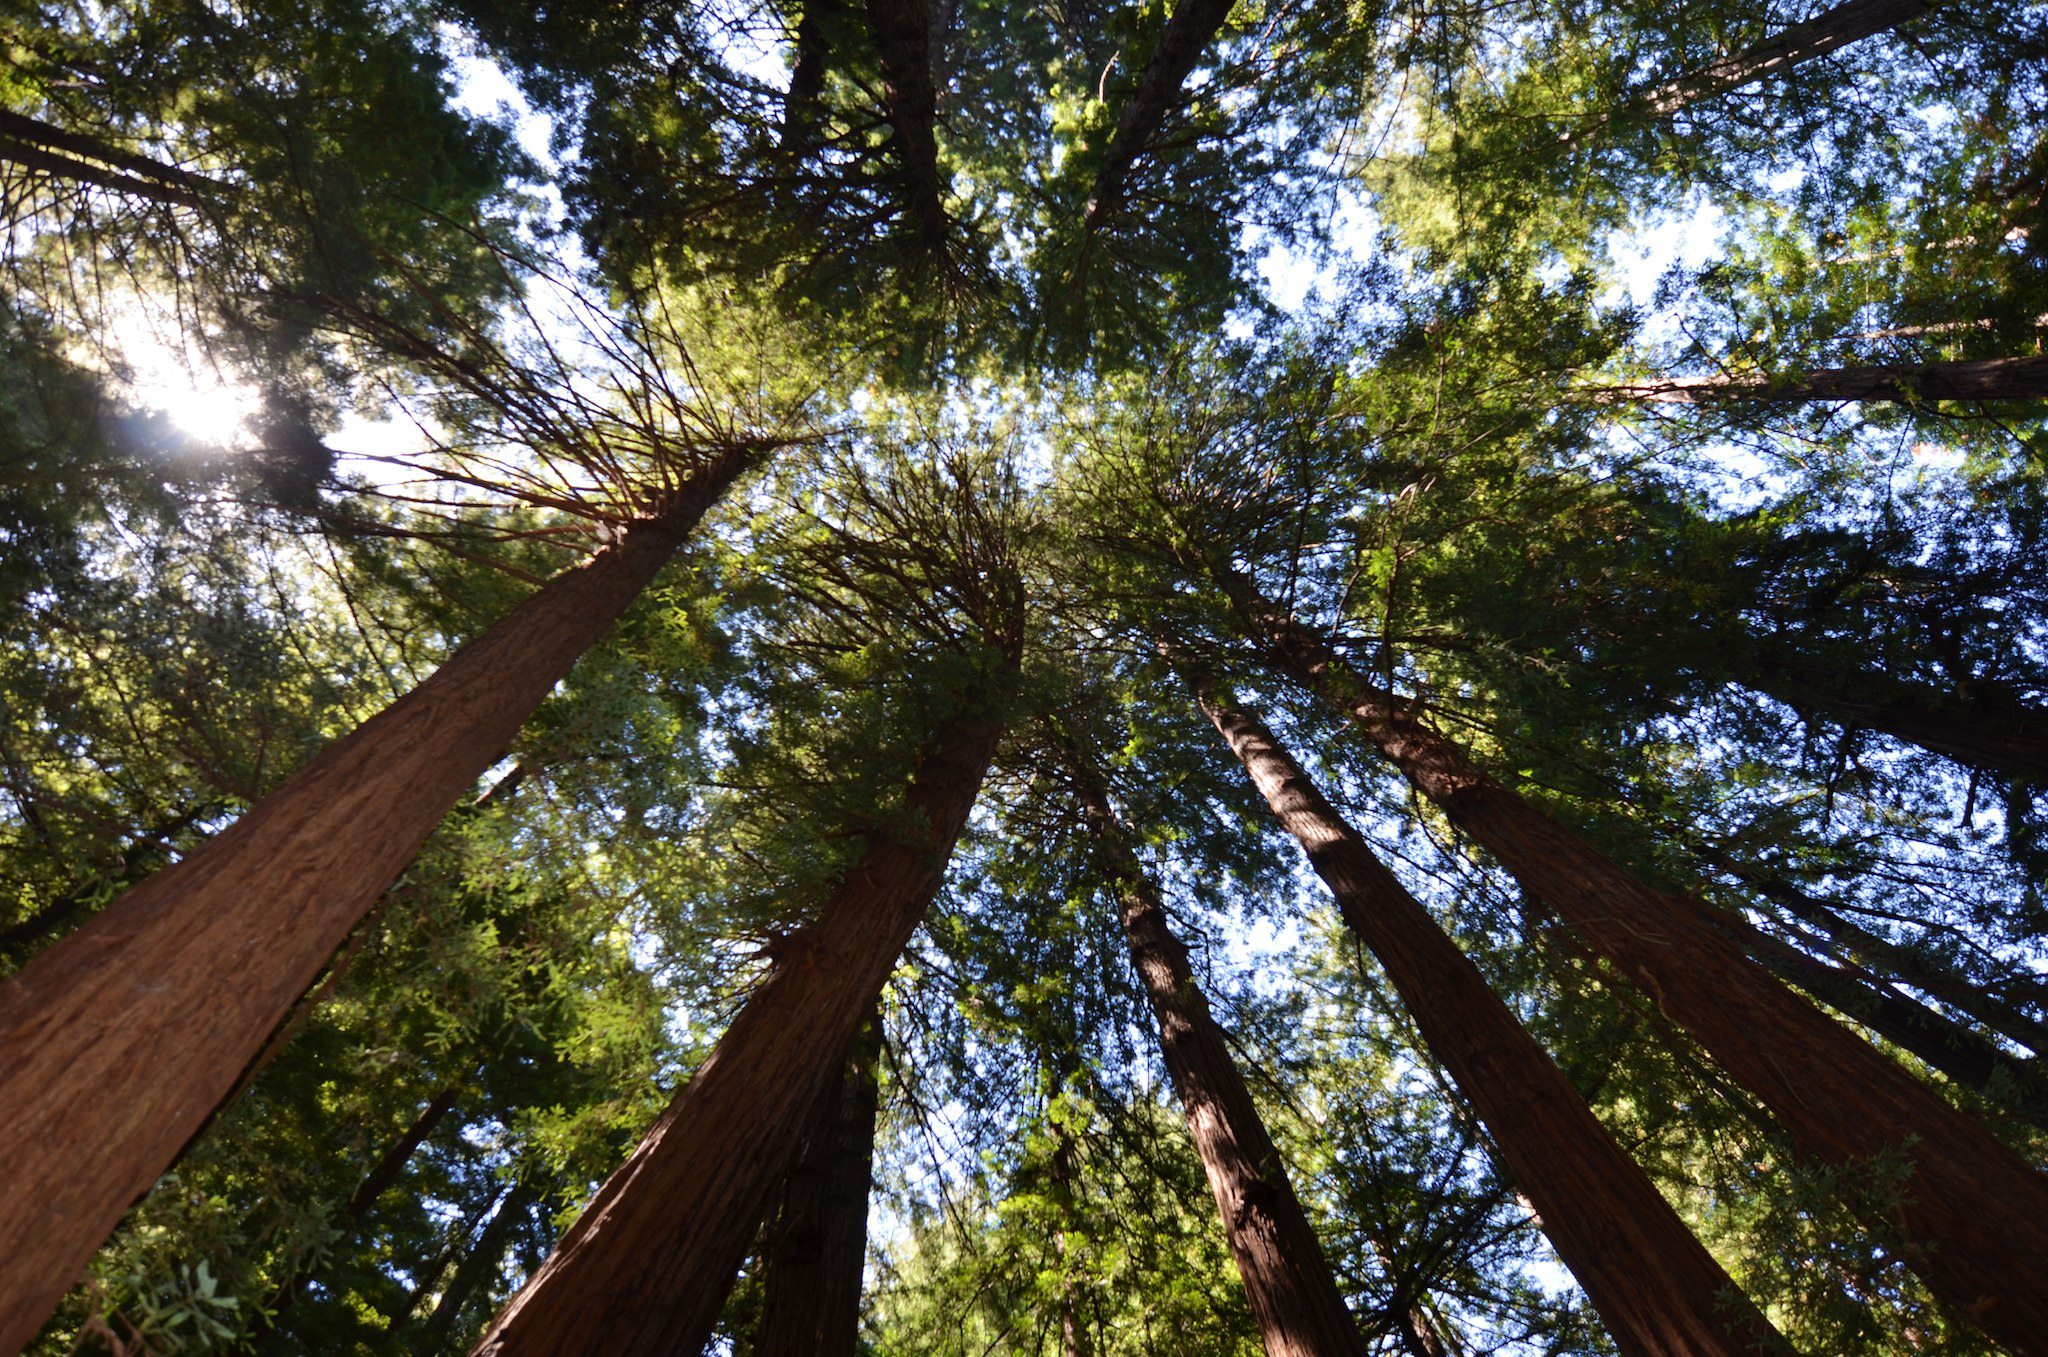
pixel 1661 1293
pixel 118 1043
pixel 815 1254
pixel 1293 1294
pixel 1973 1215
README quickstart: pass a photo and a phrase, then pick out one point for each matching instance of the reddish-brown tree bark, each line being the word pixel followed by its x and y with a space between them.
pixel 1659 1291
pixel 1973 1215
pixel 1287 1280
pixel 817 1246
pixel 118 1043
pixel 1977 379
pixel 647 1266
pixel 1190 29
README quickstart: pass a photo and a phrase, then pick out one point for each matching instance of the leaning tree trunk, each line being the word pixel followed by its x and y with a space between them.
pixel 382 1177
pixel 1896 961
pixel 646 1267
pixel 1994 730
pixel 1658 1289
pixel 817 1247
pixel 1943 1044
pixel 1974 1216
pixel 1190 29
pixel 1976 379
pixel 119 1042
pixel 1287 1280
pixel 1825 33
pixel 478 1269
pixel 64 154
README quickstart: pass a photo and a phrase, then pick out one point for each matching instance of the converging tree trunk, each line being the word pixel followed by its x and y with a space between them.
pixel 1977 379
pixel 903 34
pixel 1190 29
pixel 1973 1215
pixel 119 1042
pixel 645 1268
pixel 479 1266
pixel 1658 1289
pixel 1990 729
pixel 62 154
pixel 817 1247
pixel 1825 33
pixel 1907 965
pixel 1293 1294
pixel 1945 1045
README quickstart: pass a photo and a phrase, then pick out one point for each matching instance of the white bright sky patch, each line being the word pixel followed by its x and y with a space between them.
pixel 166 372
pixel 1689 238
pixel 365 443
pixel 483 90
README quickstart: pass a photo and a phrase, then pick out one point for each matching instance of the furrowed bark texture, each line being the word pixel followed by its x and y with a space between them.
pixel 1980 379
pixel 1193 25
pixel 1995 731
pixel 818 1248
pixel 646 1267
pixel 903 33
pixel 118 1043
pixel 1827 32
pixel 1659 1291
pixel 1973 1214
pixel 1287 1280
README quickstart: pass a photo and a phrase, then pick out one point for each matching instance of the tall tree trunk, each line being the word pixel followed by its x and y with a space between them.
pixel 1193 25
pixel 903 34
pixel 646 1267
pixel 383 1175
pixel 1659 1291
pixel 119 1042
pixel 1945 1045
pixel 1827 32
pixel 1991 729
pixel 479 1265
pixel 817 1249
pixel 800 103
pixel 1973 1214
pixel 1287 1280
pixel 1977 379
pixel 1073 1325
pixel 1896 961
pixel 63 154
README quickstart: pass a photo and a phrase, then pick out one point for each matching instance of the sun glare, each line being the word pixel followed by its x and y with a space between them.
pixel 197 396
